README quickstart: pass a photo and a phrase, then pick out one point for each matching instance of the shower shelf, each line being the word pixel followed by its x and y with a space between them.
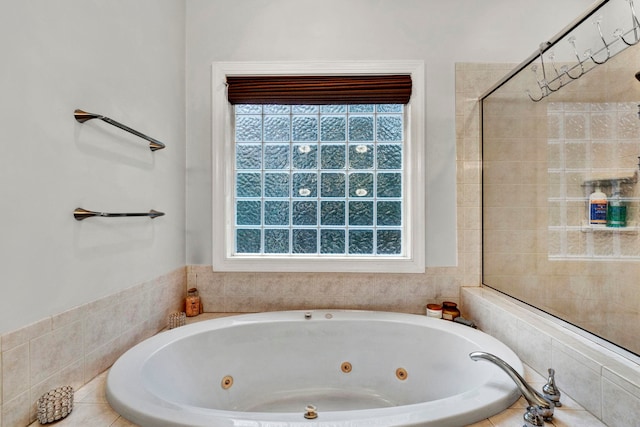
pixel 609 180
pixel 587 228
pixel 83 116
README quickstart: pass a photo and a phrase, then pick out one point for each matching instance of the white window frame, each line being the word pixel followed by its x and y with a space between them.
pixel 413 236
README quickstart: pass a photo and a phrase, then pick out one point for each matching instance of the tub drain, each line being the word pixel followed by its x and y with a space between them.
pixel 226 382
pixel 346 367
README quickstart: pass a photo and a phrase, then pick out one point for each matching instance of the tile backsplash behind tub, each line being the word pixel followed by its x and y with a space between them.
pixel 71 348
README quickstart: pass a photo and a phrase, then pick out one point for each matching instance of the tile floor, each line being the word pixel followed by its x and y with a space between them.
pixel 91 409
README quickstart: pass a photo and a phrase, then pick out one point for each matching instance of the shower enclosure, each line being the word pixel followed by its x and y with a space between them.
pixel 563 124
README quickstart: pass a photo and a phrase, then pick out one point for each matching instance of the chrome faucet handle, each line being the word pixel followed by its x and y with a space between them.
pixel 550 390
pixel 543 406
pixel 532 417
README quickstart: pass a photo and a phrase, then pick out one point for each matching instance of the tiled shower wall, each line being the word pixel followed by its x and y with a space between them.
pixel 587 141
pixel 71 348
pixel 538 156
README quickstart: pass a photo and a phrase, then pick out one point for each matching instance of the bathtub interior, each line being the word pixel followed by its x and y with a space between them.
pixel 281 362
pixel 435 361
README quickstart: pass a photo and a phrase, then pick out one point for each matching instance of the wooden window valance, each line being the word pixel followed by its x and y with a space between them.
pixel 319 90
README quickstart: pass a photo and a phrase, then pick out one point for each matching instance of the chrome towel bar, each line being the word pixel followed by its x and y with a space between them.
pixel 80 214
pixel 83 116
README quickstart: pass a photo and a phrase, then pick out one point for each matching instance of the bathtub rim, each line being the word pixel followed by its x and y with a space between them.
pixel 120 388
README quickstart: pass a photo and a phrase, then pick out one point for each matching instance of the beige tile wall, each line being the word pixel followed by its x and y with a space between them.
pixel 254 292
pixel 71 348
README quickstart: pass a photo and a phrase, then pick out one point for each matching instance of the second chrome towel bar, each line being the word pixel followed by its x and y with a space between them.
pixel 83 116
pixel 80 214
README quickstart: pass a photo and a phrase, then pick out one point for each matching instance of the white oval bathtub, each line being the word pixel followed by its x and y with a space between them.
pixel 357 368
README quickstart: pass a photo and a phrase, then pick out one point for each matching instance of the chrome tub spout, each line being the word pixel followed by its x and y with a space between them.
pixel 540 404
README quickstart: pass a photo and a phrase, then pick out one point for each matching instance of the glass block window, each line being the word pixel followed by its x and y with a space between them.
pixel 319 180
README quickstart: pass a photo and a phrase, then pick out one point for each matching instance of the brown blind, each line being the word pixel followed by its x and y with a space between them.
pixel 319 90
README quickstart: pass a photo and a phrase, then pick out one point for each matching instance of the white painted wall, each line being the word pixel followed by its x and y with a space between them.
pixel 123 59
pixel 439 32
